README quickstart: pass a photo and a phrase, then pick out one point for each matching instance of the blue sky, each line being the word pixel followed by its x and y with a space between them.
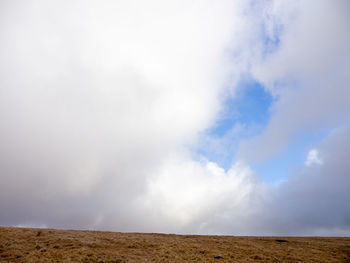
pixel 291 159
pixel 248 106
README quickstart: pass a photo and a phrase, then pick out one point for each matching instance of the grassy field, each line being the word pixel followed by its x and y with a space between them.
pixel 47 245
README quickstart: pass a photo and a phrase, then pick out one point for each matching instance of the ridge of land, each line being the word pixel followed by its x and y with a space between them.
pixel 50 245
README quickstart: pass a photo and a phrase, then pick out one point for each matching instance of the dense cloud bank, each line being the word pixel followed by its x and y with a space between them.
pixel 99 102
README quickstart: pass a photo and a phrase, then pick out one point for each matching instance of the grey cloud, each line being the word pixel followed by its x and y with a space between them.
pixel 313 201
pixel 316 199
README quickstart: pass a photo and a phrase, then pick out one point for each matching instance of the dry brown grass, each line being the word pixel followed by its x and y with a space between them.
pixel 47 245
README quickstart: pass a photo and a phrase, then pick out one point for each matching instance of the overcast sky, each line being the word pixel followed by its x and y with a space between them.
pixel 205 117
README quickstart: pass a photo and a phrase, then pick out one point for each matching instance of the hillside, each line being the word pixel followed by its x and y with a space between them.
pixel 48 245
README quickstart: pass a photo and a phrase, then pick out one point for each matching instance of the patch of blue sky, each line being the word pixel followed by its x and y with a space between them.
pixel 271 40
pixel 249 106
pixel 291 159
pixel 271 32
pixel 243 116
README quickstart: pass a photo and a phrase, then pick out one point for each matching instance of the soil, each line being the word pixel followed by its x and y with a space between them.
pixel 49 245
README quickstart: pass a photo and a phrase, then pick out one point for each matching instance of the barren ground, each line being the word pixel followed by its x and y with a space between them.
pixel 48 245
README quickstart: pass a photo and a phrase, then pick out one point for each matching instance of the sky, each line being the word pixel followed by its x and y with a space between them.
pixel 205 117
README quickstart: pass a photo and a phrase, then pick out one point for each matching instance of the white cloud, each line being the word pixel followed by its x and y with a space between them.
pixel 187 193
pixel 94 97
pixel 313 158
